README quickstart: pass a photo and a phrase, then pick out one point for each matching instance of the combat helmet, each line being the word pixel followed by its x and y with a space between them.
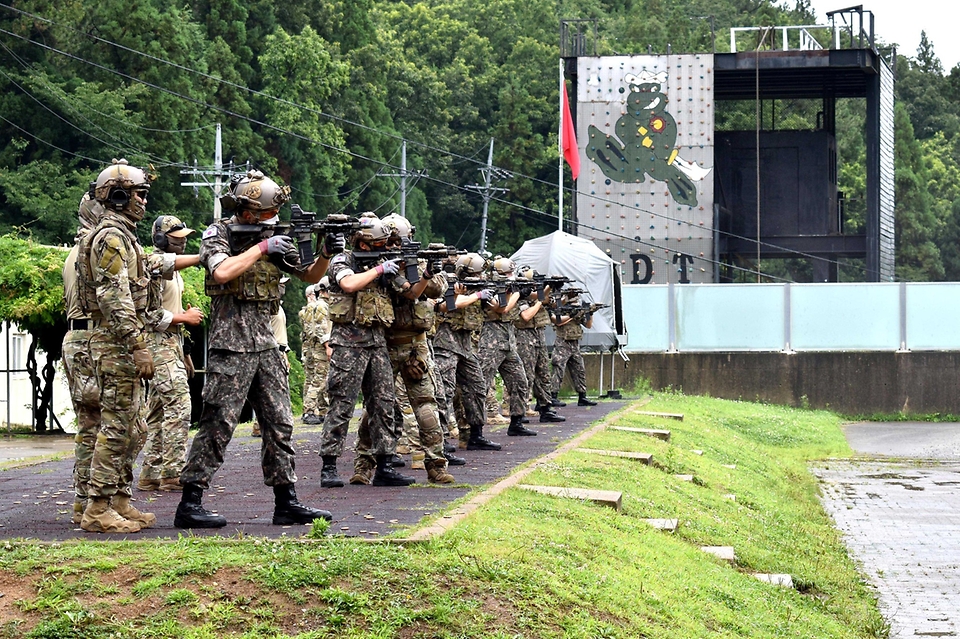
pixel 504 266
pixel 470 265
pixel 115 187
pixel 372 229
pixel 255 192
pixel 400 225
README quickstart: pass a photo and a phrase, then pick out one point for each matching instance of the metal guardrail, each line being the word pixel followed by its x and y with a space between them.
pixel 850 28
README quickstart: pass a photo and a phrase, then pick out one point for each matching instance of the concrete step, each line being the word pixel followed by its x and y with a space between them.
pixel 669 525
pixel 723 552
pixel 784 581
pixel 610 498
pixel 676 416
pixel 684 477
pixel 659 434
pixel 644 458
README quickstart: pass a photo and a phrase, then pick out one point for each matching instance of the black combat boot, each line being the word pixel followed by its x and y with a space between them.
pixel 556 402
pixel 289 510
pixel 387 476
pixel 478 442
pixel 517 429
pixel 583 401
pixel 547 414
pixel 453 460
pixel 448 447
pixel 328 474
pixel 191 513
pixel 396 461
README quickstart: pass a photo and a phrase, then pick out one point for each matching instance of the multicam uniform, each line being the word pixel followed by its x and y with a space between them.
pixel 532 348
pixel 116 284
pixel 168 402
pixel 360 362
pixel 498 353
pixel 315 320
pixel 566 353
pixel 411 360
pixel 458 364
pixel 241 350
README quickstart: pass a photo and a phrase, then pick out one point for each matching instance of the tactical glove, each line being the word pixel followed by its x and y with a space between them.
pixel 333 243
pixel 143 360
pixel 277 245
pixel 390 267
pixel 485 294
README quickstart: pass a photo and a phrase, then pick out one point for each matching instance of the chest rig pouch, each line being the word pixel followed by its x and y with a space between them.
pixel 570 331
pixel 259 283
pixel 418 315
pixel 373 307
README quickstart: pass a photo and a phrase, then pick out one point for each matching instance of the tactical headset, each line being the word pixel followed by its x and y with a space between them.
pixel 160 239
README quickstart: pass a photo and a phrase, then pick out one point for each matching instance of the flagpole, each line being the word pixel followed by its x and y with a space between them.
pixel 560 150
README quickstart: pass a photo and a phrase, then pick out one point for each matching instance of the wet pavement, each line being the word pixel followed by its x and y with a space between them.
pixel 900 518
pixel 36 499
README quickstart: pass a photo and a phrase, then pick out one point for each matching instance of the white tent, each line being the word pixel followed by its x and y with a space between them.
pixel 583 261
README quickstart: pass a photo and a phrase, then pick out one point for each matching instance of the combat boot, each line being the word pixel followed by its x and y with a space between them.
pixel 437 472
pixel 517 429
pixel 453 460
pixel 170 484
pixel 329 478
pixel 556 402
pixel 362 471
pixel 547 415
pixel 583 401
pixel 121 504
pixel 448 447
pixel 79 505
pixel 478 442
pixel 146 484
pixel 496 419
pixel 416 460
pixel 403 449
pixel 255 432
pixel 192 514
pixel 289 510
pixel 396 461
pixel 312 419
pixel 100 517
pixel 387 476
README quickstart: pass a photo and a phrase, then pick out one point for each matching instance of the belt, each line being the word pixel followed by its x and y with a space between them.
pixel 79 324
pixel 400 341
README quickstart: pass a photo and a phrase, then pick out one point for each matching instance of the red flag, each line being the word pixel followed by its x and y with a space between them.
pixel 568 138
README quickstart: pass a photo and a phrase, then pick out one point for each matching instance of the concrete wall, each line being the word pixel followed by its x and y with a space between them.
pixel 847 382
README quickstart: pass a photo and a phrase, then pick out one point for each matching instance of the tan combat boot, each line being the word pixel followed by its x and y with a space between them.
pixel 146 484
pixel 121 504
pixel 403 449
pixel 363 469
pixel 79 505
pixel 100 517
pixel 168 484
pixel 416 460
pixel 437 472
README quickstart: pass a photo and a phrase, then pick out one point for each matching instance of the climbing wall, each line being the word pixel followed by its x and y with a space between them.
pixel 645 191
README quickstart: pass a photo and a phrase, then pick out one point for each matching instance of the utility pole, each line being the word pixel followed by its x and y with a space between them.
pixel 403 175
pixel 202 177
pixel 490 173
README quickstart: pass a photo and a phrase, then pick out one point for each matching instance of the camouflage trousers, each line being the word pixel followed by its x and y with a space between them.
pixel 463 373
pixel 532 348
pixel 422 400
pixel 409 429
pixel 85 396
pixel 122 431
pixel 232 379
pixel 497 356
pixel 316 368
pixel 168 410
pixel 566 353
pixel 352 371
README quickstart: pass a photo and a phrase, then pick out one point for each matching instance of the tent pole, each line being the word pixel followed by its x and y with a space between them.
pixel 560 149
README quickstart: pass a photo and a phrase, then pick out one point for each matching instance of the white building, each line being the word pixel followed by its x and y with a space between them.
pixel 16 393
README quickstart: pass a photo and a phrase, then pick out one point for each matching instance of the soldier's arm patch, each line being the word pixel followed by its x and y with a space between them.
pixel 113 255
pixel 210 232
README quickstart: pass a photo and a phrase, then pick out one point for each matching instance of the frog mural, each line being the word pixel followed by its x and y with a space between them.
pixel 645 142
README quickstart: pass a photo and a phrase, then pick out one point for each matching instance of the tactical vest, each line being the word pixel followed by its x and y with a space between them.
pixel 367 307
pixel 139 281
pixel 540 320
pixel 468 318
pixel 571 330
pixel 512 315
pixel 259 283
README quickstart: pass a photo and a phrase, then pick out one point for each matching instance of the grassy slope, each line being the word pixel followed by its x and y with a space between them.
pixel 527 565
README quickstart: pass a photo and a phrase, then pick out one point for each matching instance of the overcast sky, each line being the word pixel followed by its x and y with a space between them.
pixel 901 23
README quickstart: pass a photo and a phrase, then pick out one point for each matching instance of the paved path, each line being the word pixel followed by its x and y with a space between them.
pixel 36 500
pixel 901 520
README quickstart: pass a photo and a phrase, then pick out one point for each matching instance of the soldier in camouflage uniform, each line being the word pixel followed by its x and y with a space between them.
pixel 168 400
pixel 77 365
pixel 315 323
pixel 498 348
pixel 566 352
pixel 458 364
pixel 532 348
pixel 243 360
pixel 114 281
pixel 361 312
pixel 414 314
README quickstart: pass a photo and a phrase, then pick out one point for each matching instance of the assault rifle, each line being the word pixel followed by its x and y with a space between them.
pixel 243 236
pixel 369 259
pixel 577 310
pixel 555 282
pixel 437 254
pixel 470 283
pixel 304 226
pixel 410 253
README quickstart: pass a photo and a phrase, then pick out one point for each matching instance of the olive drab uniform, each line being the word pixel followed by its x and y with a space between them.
pixel 498 353
pixel 168 400
pixel 243 363
pixel 360 362
pixel 532 348
pixel 566 353
pixel 115 293
pixel 315 320
pixel 82 380
pixel 458 364
pixel 411 360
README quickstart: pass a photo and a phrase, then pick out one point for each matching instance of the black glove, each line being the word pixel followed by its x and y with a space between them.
pixel 333 243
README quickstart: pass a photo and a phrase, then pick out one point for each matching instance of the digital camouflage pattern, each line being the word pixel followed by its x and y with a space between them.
pixel 498 353
pixel 229 383
pixel 459 368
pixel 532 349
pixel 566 354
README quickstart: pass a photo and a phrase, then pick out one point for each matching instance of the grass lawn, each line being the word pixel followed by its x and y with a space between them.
pixel 524 565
